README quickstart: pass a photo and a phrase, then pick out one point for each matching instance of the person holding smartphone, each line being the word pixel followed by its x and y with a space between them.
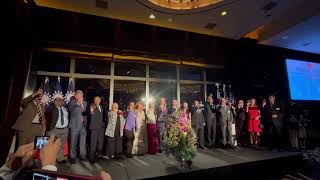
pixel 58 122
pixel 31 122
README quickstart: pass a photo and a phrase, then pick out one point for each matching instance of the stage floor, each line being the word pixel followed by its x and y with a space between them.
pixel 149 166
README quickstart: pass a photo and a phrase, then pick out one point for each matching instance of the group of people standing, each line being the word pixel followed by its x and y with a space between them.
pixel 137 130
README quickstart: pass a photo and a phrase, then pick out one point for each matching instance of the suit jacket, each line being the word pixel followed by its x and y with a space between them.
pixel 78 115
pixel 162 116
pixel 52 116
pixel 197 119
pixel 275 109
pixel 29 112
pixel 209 111
pixel 226 115
pixel 96 118
pixel 241 116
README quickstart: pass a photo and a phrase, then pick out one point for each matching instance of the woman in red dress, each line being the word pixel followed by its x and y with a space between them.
pixel 254 121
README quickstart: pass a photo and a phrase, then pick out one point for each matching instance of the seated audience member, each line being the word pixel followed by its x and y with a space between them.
pixel 48 157
pixel 18 161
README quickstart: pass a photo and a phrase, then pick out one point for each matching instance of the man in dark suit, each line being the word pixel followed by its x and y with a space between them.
pixel 211 121
pixel 78 122
pixel 174 107
pixel 198 123
pixel 57 117
pixel 274 122
pixel 31 122
pixel 162 122
pixel 226 120
pixel 97 129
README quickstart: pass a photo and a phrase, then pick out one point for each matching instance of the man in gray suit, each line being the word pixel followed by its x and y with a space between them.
pixel 78 121
pixel 211 121
pixel 226 118
pixel 57 117
pixel 198 123
pixel 97 129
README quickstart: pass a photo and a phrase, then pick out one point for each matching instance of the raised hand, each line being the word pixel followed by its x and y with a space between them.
pixel 48 154
pixel 37 93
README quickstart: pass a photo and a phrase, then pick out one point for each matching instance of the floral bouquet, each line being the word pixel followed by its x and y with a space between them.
pixel 180 139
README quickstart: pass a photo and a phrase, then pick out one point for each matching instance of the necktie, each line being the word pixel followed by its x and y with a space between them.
pixel 39 111
pixel 61 117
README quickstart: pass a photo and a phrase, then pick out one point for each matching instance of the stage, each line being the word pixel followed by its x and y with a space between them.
pixel 207 163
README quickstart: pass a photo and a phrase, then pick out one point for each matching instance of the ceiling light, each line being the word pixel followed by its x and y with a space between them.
pixel 223 13
pixel 152 16
pixel 285 37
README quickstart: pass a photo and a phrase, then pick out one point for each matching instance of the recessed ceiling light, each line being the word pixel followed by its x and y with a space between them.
pixel 152 16
pixel 285 37
pixel 223 13
pixel 170 19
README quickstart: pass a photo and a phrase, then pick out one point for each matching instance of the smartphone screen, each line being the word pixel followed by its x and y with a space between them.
pixel 40 141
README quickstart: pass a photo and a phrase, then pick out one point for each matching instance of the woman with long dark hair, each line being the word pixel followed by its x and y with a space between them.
pixel 253 121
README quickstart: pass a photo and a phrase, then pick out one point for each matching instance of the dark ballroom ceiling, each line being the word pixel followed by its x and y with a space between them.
pixel 292 24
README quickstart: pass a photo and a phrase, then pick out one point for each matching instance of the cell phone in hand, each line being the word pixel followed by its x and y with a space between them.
pixel 48 175
pixel 40 142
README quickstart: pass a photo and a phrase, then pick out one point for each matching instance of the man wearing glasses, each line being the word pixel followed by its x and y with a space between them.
pixel 58 124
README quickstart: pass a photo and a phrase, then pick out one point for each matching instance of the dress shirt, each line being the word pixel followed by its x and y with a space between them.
pixel 65 115
pixel 131 121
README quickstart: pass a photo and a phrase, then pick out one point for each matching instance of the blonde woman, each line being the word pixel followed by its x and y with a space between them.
pixel 140 142
pixel 152 129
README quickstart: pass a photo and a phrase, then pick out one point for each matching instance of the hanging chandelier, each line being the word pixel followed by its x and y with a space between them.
pixel 183 4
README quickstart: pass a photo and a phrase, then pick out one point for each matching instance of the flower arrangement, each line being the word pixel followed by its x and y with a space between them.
pixel 180 139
